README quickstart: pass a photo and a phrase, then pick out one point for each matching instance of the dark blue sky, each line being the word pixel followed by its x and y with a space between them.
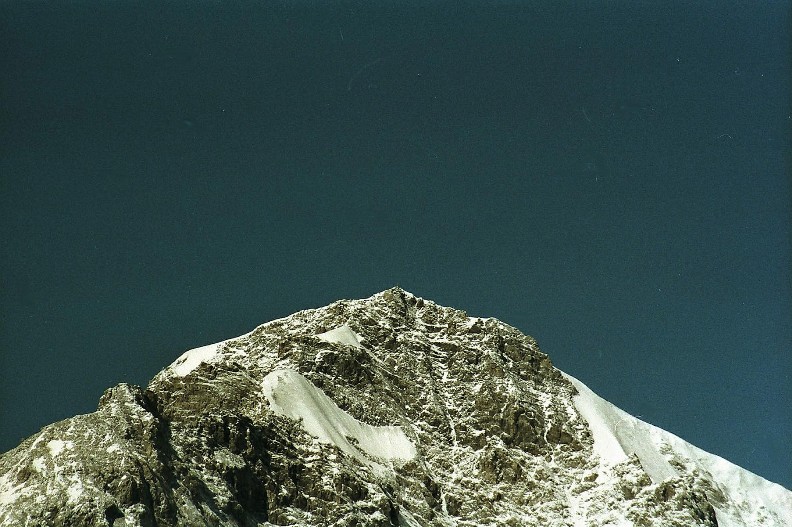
pixel 611 178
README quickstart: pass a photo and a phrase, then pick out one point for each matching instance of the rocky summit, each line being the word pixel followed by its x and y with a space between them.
pixel 387 411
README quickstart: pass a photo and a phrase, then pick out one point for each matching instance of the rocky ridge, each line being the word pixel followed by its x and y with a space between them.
pixel 387 411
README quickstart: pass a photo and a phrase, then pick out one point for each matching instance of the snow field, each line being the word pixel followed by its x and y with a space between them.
pixel 292 395
pixel 750 499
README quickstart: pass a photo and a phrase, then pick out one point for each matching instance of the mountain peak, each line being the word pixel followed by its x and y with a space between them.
pixel 390 410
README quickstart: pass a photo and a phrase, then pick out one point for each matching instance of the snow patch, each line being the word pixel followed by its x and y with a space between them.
pixel 193 358
pixel 75 489
pixel 39 464
pixel 56 446
pixel 9 493
pixel 474 321
pixel 292 395
pixel 341 335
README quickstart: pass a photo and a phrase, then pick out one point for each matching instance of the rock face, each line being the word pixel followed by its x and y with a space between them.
pixel 388 411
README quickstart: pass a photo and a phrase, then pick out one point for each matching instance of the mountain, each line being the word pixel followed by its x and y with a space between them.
pixel 387 411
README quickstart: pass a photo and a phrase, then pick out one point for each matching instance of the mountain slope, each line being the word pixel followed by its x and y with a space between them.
pixel 390 410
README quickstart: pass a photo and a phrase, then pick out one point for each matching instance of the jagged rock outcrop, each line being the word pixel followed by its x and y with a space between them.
pixel 379 412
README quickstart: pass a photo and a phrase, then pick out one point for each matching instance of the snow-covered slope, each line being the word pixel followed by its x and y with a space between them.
pixel 386 411
pixel 740 498
pixel 292 395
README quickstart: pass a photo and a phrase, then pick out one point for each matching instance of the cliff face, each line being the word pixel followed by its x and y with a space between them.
pixel 386 411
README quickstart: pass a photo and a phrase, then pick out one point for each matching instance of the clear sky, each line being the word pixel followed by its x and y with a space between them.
pixel 613 179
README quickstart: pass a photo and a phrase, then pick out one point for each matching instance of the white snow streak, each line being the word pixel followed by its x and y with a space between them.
pixel 292 395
